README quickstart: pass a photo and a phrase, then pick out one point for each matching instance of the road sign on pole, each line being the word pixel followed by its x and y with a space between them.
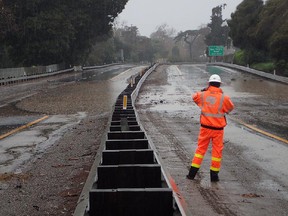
pixel 216 50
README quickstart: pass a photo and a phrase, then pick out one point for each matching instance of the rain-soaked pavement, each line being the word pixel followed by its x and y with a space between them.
pixel 20 147
pixel 253 178
pixel 24 144
pixel 258 100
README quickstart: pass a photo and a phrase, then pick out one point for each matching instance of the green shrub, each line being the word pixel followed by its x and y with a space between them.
pixel 239 58
pixel 265 66
pixel 282 68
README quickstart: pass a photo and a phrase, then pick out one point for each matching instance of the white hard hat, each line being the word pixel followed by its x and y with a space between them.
pixel 215 78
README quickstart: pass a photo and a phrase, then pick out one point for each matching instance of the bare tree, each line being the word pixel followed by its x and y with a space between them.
pixel 190 36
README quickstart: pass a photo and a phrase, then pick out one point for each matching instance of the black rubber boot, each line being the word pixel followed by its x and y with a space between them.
pixel 214 176
pixel 192 173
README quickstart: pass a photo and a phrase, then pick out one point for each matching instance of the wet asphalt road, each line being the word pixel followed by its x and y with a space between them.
pixel 252 177
pixel 47 164
pixel 20 147
pixel 11 117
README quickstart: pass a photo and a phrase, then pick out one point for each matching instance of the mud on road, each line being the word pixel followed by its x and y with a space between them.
pixel 171 120
pixel 51 181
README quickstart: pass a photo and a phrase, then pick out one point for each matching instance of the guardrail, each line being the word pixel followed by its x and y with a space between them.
pixel 18 75
pixel 101 66
pixel 252 71
pixel 13 80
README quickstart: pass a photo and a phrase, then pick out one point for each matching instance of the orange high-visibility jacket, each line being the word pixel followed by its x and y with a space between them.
pixel 214 105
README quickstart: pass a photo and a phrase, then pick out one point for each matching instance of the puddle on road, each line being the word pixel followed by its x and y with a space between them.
pixel 249 84
pixel 20 147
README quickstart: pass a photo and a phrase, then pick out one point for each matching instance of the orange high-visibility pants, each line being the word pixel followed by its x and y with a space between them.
pixel 205 136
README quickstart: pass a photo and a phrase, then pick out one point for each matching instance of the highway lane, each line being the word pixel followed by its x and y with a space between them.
pixel 44 167
pixel 19 139
pixel 11 95
pixel 253 179
pixel 15 92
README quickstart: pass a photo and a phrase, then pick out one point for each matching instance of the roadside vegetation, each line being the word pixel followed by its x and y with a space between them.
pixel 86 32
pixel 261 32
pixel 43 32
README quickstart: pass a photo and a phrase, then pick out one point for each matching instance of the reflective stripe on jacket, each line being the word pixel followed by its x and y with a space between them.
pixel 214 105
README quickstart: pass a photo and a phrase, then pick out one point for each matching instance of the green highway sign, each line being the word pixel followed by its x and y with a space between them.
pixel 216 50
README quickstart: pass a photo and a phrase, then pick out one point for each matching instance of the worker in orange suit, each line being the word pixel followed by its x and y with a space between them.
pixel 214 105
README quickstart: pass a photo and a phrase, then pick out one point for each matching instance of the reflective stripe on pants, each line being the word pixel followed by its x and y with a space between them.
pixel 204 138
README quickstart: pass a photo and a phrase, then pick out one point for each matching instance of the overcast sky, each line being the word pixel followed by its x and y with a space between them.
pixel 181 15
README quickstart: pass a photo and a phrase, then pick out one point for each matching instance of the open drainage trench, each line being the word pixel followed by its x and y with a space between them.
pixel 130 180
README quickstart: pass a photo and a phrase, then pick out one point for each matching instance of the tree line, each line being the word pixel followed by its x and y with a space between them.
pixel 42 32
pixel 261 32
pixel 128 45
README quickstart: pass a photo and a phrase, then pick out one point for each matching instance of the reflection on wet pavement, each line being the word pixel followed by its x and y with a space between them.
pixel 33 141
pixel 21 146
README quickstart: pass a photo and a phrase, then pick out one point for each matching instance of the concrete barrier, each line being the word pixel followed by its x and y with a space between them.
pixel 99 66
pixel 252 71
pixel 18 79
pixel 17 75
